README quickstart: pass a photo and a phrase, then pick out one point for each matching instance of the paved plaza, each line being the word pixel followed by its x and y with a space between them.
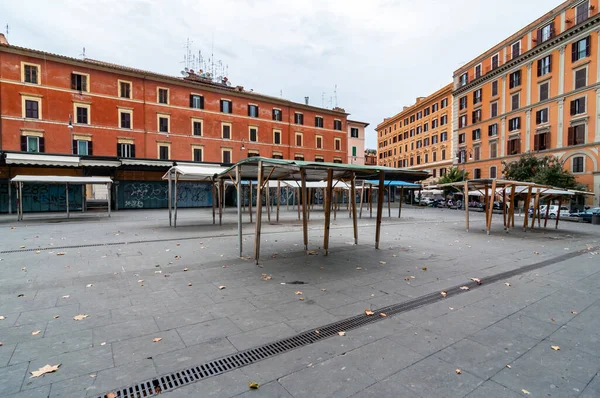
pixel 159 299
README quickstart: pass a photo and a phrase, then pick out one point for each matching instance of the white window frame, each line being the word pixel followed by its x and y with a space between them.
pixel 88 106
pixel 163 115
pixel 129 111
pixel 119 92
pixel 230 130
pixel 34 98
pixel 201 147
pixel 587 77
pixel 162 143
pixel 512 48
pixel 573 164
pixel 39 70
pixel 201 121
pixel 158 95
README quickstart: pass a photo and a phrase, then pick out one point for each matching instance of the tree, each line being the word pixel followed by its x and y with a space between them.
pixel 544 170
pixel 454 174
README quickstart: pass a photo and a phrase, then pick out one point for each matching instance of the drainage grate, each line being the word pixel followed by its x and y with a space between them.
pixel 243 358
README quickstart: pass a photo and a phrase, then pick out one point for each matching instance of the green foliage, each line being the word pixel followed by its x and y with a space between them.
pixel 545 170
pixel 454 174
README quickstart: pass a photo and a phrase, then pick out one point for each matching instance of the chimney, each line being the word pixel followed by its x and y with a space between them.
pixel 3 39
pixel 419 99
pixel 306 100
pixel 405 108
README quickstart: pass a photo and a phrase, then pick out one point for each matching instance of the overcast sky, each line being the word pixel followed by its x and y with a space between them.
pixel 381 54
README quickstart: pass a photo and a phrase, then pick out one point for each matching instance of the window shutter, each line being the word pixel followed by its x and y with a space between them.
pixel 489 131
pixel 571 136
pixel 201 102
pixel 550 63
pixel 90 148
pixel 538 117
pixel 539 67
pixel 473 135
pixel 74 147
pixel 83 83
pixel 582 106
pixel 552 29
pixel 536 142
pixel 42 144
pixel 573 108
pixel 221 105
pixel 24 143
pixel 132 150
pixel 546 137
pixel 73 81
pixel 249 108
pixel 587 46
pixel 192 100
pixel 574 52
pixel 539 36
pixel 119 152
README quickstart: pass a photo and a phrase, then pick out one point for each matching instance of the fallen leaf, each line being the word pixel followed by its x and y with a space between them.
pixel 476 280
pixel 93 376
pixel 21 295
pixel 36 332
pixel 43 370
pixel 141 281
pixel 103 343
pixel 382 314
pixel 189 283
pixel 299 292
pixel 407 278
pixel 80 317
pixel 555 347
pixel 222 287
pixel 572 312
pixel 2 318
pixel 177 257
pixel 89 285
pixel 21 247
pixel 37 252
pixel 24 269
pixel 56 316
pixel 369 312
pixel 253 385
pixel 412 277
pixel 525 392
pixel 508 366
pixel 266 277
pixel 424 268
pixel 317 332
pixel 507 283
pixel 1 344
pixel 185 270
pixel 60 253
pixel 311 253
pixel 382 262
pixel 464 288
pixel 553 320
pixel 394 255
pixel 458 371
pixel 156 339
pixel 177 244
pixel 444 293
pixel 66 297
pixel 342 333
pixel 111 395
pixel 301 299
pixel 358 268
pixel 323 290
pixel 321 267
pixel 536 252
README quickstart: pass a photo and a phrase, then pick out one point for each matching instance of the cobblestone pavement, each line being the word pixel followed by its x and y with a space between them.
pixel 149 281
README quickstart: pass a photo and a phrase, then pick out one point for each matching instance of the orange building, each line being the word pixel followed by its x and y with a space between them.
pixel 419 136
pixel 537 91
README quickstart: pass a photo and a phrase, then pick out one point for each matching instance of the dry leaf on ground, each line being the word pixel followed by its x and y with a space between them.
pixel 464 288
pixel 382 262
pixel 56 316
pixel 311 252
pixel 141 281
pixel 177 257
pixel 508 366
pixel 342 333
pixel 458 371
pixel 407 278
pixel 36 332
pixel 444 293
pixel 358 268
pixel 189 283
pixel 1 344
pixel 323 290
pixel 369 312
pixel 507 283
pixel 156 339
pixel 60 253
pixel 43 370
pixel 21 247
pixel 555 347
pixel 111 395
pixel 382 314
pixel 424 268
pixel 80 317
pixel 222 287
pixel 89 285
pixel 476 280
pixel 553 320
pixel 266 277
pixel 524 391
pixel 2 318
pixel 185 269
pixel 253 385
pixel 299 292
pixel 317 332
pixel 574 312
pixel 301 299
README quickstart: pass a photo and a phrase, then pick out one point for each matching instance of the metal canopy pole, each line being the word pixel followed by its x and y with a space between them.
pixel 362 195
pixel 299 197
pixel 548 212
pixel 558 213
pixel 175 210
pixel 9 196
pixel 525 218
pixel 220 194
pixel 214 200
pixel 258 211
pixel 466 203
pixel 304 205
pixel 67 197
pixel 170 198
pixel 379 208
pixel 327 204
pixel 389 191
pixel 109 186
pixel 353 199
pixel 491 206
pixel 250 200
pixel 238 183
pixel 278 199
pixel 268 201
pixel 21 199
pixel 400 204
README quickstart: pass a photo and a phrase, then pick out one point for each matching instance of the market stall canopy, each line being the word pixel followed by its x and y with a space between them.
pixel 390 183
pixel 201 172
pixel 62 179
pixel 36 159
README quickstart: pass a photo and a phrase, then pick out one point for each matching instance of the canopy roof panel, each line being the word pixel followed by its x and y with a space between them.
pixel 62 179
pixel 390 183
pixel 201 172
pixel 477 187
pixel 42 160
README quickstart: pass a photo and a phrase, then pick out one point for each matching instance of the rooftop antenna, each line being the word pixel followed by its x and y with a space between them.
pixel 82 54
pixel 335 95
pixel 281 93
pixel 323 99
pixel 6 29
pixel 187 58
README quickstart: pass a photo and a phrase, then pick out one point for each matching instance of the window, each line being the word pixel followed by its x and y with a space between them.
pixel 33 144
pixel 298 139
pixel 337 125
pixel 419 130
pixel 337 160
pixel 494 88
pixel 476 135
pixel 544 91
pixel 81 114
pixel 544 65
pixel 516 50
pixel 580 49
pixel 125 119
pixel 418 160
pixel 79 82
pixel 578 106
pixel 477 71
pixel 444 137
pixel 541 116
pixel 405 121
pixel 412 132
pixel 419 144
pixel 353 132
pixel 32 109
pixel 462 121
pixel 197 152
pixel 253 110
pixel 298 118
pixel 493 150
pixel 434 170
pixel 253 153
pixel 124 89
pixel 493 109
pixel 163 124
pixel 319 158
pixel 576 135
pixel 434 156
pixel 477 96
pixel 463 80
pixel 545 33
pixel 426 142
pixel 580 78
pixel 163 95
pixel 426 111
pixel 425 127
pixel 82 147
pixel 277 115
pixel 277 137
pixel 476 116
pixel 442 171
pixel 514 123
pixel 319 122
pixel 419 115
pixel 541 141
pixel 426 160
pixel 443 153
pixel 353 151
pixel 30 73
pixel 434 139
pixel 578 164
pixel 226 131
pixel 514 146
pixel 125 150
pixel 434 108
pixel 495 61
pixel 462 103
pixel 444 103
pixel 582 12
pixel 300 156
pixel 319 141
pixel 277 155
pixel 477 173
pixel 514 101
pixel 462 138
pixel 226 155
pixel 443 120
pixel 493 172
pixel 196 101
pixel 226 106
pixel 253 134
pixel 197 127
pixel 493 130
pixel 434 123
pixel 514 79
pixel 337 144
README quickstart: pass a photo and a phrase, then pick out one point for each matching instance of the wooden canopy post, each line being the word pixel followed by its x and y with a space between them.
pixel 353 199
pixel 379 208
pixel 389 191
pixel 268 201
pixel 362 195
pixel 558 214
pixel 466 203
pixel 258 211
pixel 109 197
pixel 304 206
pixel 548 212
pixel 334 195
pixel 175 203
pixel 327 205
pixel 511 218
pixel 526 216
pixel 300 198
pixel 238 185
pixel 371 201
pixel 310 195
pixel 489 227
pixel 67 198
pixel 220 195
pixel 214 200
pixel 400 201
pixel 536 210
pixel 250 200
pixel 278 199
pixel 169 198
pixel 504 207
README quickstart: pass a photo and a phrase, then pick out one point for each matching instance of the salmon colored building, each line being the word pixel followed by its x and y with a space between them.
pixel 132 124
pixel 537 91
pixel 419 137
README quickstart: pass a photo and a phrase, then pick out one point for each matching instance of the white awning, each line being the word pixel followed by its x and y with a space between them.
pixel 99 163
pixel 42 160
pixel 62 179
pixel 146 162
pixel 199 172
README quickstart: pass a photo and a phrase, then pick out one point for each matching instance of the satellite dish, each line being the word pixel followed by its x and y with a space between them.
pixel 186 69
pixel 183 73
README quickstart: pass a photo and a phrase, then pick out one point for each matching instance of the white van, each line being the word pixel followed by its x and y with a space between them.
pixel 564 211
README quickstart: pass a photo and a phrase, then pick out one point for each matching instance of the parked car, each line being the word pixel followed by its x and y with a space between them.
pixel 425 201
pixel 564 211
pixel 586 215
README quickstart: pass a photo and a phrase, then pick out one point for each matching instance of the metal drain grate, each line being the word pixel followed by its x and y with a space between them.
pixel 243 358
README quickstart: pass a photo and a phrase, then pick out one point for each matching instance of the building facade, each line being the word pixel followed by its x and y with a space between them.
pixel 537 91
pixel 420 136
pixel 370 157
pixel 356 142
